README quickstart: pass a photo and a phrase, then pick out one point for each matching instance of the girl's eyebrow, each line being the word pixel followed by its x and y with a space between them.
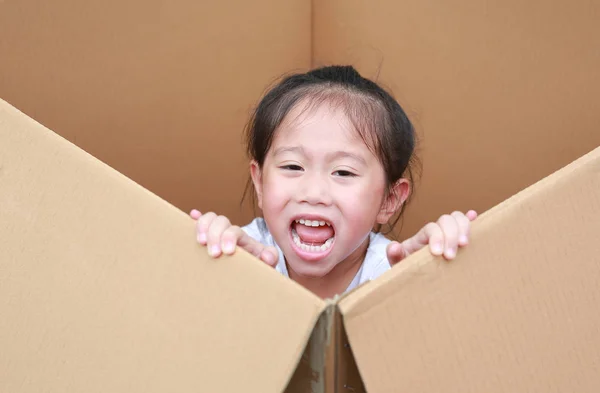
pixel 336 155
pixel 345 154
pixel 288 149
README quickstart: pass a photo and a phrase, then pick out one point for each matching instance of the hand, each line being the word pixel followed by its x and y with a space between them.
pixel 220 237
pixel 444 237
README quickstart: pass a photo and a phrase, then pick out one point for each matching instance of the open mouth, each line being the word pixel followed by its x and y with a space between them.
pixel 312 236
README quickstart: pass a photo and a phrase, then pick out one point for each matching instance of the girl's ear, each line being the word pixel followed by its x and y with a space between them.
pixel 256 175
pixel 393 201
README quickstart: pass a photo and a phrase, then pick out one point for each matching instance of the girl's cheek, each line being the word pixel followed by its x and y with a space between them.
pixel 274 191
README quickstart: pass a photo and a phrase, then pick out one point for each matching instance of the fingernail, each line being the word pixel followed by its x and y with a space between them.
pixel 228 247
pixel 463 239
pixel 214 250
pixel 194 211
pixel 436 248
pixel 451 253
pixel 201 238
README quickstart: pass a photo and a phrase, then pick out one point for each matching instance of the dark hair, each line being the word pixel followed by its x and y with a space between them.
pixel 376 115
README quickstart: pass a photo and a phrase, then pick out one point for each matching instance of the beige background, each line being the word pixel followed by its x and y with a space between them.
pixel 160 90
pixel 502 92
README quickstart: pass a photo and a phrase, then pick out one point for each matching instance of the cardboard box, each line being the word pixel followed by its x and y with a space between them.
pixel 103 289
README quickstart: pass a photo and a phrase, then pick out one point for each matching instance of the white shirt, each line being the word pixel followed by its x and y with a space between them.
pixel 375 263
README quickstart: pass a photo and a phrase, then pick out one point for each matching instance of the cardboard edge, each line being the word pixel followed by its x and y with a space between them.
pixel 90 159
pixel 48 133
pixel 367 296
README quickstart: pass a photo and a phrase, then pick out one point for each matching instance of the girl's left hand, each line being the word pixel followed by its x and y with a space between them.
pixel 444 237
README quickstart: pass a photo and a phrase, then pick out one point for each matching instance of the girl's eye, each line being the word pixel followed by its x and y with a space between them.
pixel 291 167
pixel 344 173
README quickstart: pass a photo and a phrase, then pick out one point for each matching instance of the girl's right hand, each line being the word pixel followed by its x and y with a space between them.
pixel 220 237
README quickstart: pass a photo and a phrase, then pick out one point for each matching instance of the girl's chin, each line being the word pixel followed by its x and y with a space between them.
pixel 308 269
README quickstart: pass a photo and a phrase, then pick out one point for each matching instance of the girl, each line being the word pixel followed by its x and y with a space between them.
pixel 331 156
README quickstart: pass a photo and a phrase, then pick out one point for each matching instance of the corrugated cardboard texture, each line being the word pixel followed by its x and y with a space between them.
pixel 347 375
pixel 502 92
pixel 327 364
pixel 159 90
pixel 103 288
pixel 315 370
pixel 517 311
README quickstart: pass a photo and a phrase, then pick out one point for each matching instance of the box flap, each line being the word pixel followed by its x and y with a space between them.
pixel 516 311
pixel 103 288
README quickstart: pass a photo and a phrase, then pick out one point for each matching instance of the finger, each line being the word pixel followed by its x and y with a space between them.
pixel 449 228
pixel 230 238
pixel 395 252
pixel 267 254
pixel 234 235
pixel 472 215
pixel 215 231
pixel 464 226
pixel 430 234
pixel 202 225
pixel 195 214
pixel 270 256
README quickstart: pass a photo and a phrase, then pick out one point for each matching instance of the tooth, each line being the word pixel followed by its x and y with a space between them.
pixel 315 223
pixel 301 221
pixel 321 223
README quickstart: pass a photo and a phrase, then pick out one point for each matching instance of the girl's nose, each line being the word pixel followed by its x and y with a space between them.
pixel 315 191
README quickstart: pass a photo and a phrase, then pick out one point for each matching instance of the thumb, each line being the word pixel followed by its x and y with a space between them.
pixel 395 252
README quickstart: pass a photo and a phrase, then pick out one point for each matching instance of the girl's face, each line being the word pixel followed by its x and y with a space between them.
pixel 321 191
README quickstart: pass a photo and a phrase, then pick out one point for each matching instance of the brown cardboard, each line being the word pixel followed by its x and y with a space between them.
pixel 102 288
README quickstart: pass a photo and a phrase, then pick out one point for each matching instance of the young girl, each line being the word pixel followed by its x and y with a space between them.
pixel 330 162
